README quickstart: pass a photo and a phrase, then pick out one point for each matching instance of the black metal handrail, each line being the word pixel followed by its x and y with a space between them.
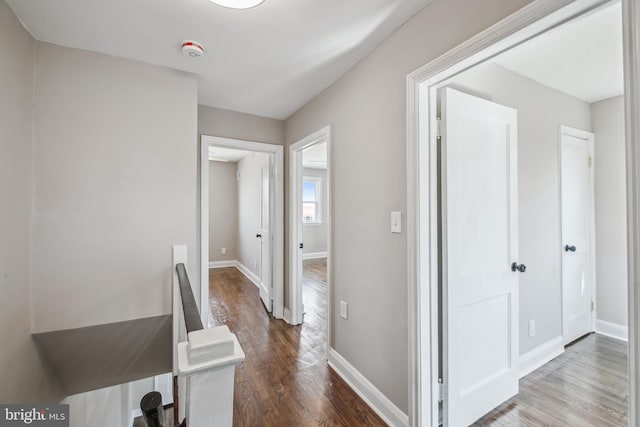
pixel 191 315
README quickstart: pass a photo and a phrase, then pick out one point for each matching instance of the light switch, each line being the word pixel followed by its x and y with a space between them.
pixel 344 310
pixel 396 222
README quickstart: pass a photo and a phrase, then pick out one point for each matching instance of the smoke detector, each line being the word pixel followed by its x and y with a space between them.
pixel 192 48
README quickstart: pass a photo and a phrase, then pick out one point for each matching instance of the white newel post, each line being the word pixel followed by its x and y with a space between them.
pixel 207 360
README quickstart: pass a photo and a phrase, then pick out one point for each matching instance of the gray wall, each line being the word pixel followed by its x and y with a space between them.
pixel 366 111
pixel 115 187
pixel 611 208
pixel 25 378
pixel 541 111
pixel 230 124
pixel 249 219
pixel 223 211
pixel 314 236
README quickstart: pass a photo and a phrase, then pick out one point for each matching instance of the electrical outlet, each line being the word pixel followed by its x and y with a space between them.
pixel 532 328
pixel 223 251
pixel 344 310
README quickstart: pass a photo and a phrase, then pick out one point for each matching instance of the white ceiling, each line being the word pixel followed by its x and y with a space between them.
pixel 583 58
pixel 269 60
pixel 221 154
pixel 315 157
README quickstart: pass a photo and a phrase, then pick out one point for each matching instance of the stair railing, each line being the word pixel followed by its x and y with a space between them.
pixel 204 358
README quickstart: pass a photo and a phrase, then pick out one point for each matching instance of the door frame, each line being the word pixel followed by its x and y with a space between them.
pixel 268 266
pixel 295 227
pixel 276 224
pixel 422 195
pixel 588 138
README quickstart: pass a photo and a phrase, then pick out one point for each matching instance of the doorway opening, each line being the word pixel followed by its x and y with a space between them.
pixel 442 197
pixel 310 230
pixel 242 216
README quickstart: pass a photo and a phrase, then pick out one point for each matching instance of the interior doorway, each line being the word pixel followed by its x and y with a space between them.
pixel 247 231
pixel 310 229
pixel 428 262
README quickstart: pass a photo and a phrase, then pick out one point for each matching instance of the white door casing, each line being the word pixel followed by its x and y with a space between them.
pixel 276 220
pixel 578 226
pixel 296 226
pixel 295 234
pixel 265 237
pixel 480 243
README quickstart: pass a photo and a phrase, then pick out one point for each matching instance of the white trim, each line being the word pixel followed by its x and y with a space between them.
pixel 179 334
pixel 631 38
pixel 179 329
pixel 204 232
pixel 612 330
pixel 248 273
pixel 222 264
pixel 287 315
pixel 422 196
pixel 277 225
pixel 296 172
pixel 539 356
pixel 314 255
pixel 382 406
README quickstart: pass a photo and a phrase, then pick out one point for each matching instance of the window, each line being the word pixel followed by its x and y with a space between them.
pixel 312 200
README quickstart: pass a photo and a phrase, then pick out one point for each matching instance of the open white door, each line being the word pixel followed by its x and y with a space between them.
pixel 479 257
pixel 576 153
pixel 265 238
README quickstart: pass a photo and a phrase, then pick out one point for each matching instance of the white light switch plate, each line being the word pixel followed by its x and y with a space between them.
pixel 344 310
pixel 396 222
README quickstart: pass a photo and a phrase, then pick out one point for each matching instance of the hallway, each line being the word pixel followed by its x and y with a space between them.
pixel 284 380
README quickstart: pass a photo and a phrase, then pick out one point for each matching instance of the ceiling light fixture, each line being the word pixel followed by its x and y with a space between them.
pixel 237 4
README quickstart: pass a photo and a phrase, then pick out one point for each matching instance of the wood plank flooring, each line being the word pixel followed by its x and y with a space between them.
pixel 586 386
pixel 285 380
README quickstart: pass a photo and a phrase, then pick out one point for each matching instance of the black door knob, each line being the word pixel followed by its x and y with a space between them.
pixel 259 236
pixel 518 267
pixel 301 246
pixel 569 248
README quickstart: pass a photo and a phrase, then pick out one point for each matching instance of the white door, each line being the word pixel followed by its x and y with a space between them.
pixel 576 152
pixel 479 255
pixel 299 267
pixel 265 238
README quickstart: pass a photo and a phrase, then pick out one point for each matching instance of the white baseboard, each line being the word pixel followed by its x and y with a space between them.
pixel 248 273
pixel 222 264
pixel 612 330
pixel 539 356
pixel 389 412
pixel 314 255
pixel 287 315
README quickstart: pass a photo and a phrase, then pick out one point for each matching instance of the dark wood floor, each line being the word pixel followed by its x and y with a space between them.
pixel 585 386
pixel 284 380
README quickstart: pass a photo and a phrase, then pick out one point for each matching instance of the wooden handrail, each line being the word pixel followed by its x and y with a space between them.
pixel 191 314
